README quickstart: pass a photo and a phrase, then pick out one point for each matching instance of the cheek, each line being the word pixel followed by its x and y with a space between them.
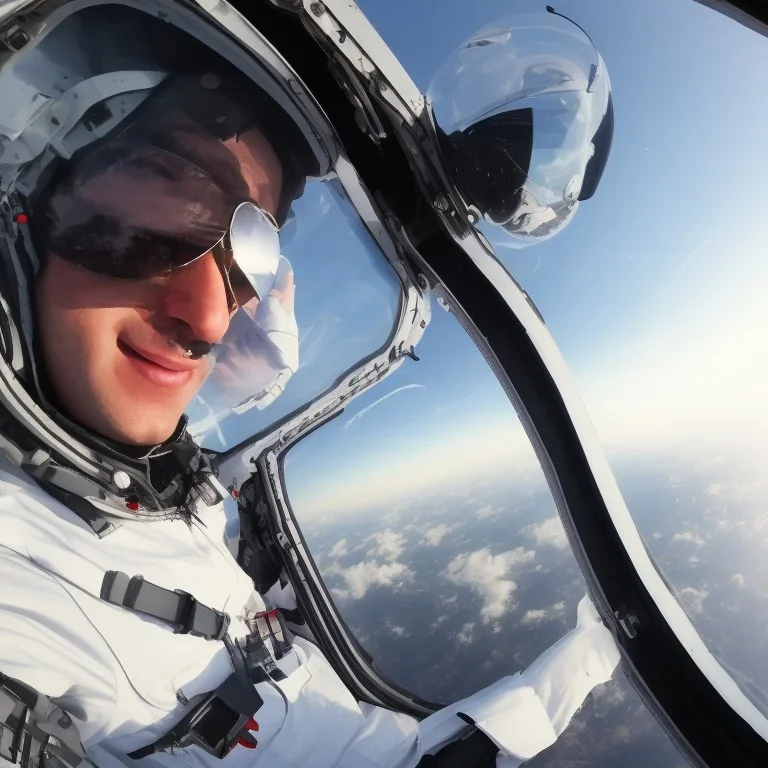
pixel 76 343
pixel 78 316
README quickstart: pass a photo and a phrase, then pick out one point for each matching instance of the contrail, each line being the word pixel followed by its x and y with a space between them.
pixel 684 266
pixel 381 400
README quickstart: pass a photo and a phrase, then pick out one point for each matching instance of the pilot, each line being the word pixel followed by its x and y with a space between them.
pixel 136 264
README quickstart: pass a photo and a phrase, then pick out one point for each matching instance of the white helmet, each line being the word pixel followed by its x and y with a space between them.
pixel 92 101
pixel 525 119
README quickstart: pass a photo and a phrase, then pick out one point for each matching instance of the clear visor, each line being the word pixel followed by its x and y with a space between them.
pixel 257 356
pixel 334 301
pixel 544 64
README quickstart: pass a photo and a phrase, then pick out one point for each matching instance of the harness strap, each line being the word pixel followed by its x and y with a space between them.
pixel 87 512
pixel 176 607
pixel 34 732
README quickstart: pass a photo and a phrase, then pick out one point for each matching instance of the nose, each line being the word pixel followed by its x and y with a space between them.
pixel 195 294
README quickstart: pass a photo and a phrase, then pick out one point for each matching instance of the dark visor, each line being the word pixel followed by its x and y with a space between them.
pixel 133 211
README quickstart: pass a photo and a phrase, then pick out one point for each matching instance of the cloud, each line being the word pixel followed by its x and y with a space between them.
pixel 361 577
pixel 397 631
pixel 466 635
pixel 693 559
pixel 689 537
pixel 738 580
pixel 436 624
pixel 549 531
pixel 657 535
pixel 716 489
pixel 487 511
pixel 339 549
pixel 486 575
pixel 693 599
pixel 437 533
pixel 389 545
pixel 537 615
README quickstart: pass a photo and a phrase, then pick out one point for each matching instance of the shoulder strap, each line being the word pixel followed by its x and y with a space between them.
pixel 34 732
pixel 86 511
pixel 176 607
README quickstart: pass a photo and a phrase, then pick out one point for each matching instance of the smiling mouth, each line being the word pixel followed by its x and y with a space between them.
pixel 154 372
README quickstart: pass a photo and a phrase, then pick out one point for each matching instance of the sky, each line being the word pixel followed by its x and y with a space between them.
pixel 655 289
pixel 654 293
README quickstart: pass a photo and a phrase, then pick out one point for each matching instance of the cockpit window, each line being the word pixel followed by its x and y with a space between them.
pixel 432 524
pixel 346 301
pixel 656 297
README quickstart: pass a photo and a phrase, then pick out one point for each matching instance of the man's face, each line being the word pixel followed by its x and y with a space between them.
pixel 113 349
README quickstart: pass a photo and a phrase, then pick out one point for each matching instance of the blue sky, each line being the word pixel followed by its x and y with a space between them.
pixel 654 293
pixel 687 137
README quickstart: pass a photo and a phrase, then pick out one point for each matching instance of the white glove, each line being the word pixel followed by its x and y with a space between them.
pixel 261 350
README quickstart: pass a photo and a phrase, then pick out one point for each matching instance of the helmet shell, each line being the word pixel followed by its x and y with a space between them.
pixel 524 116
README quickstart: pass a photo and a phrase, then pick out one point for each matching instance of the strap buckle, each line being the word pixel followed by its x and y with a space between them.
pixel 221 721
pixel 218 729
pixel 184 623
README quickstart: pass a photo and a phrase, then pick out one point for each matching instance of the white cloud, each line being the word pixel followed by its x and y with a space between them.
pixel 466 635
pixel 487 511
pixel 693 599
pixel 389 545
pixel 398 631
pixel 436 624
pixel 534 616
pixel 610 694
pixel 693 559
pixel 549 531
pixel 689 537
pixel 657 535
pixel 716 488
pixel 738 580
pixel 486 575
pixel 339 549
pixel 538 615
pixel 361 577
pixel 437 533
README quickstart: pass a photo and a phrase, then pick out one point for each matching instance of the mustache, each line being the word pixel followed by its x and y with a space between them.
pixel 190 349
pixel 196 349
pixel 175 335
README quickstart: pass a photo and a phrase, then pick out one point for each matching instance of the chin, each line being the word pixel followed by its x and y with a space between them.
pixel 149 432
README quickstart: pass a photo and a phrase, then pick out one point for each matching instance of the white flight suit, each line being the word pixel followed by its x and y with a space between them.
pixel 121 675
